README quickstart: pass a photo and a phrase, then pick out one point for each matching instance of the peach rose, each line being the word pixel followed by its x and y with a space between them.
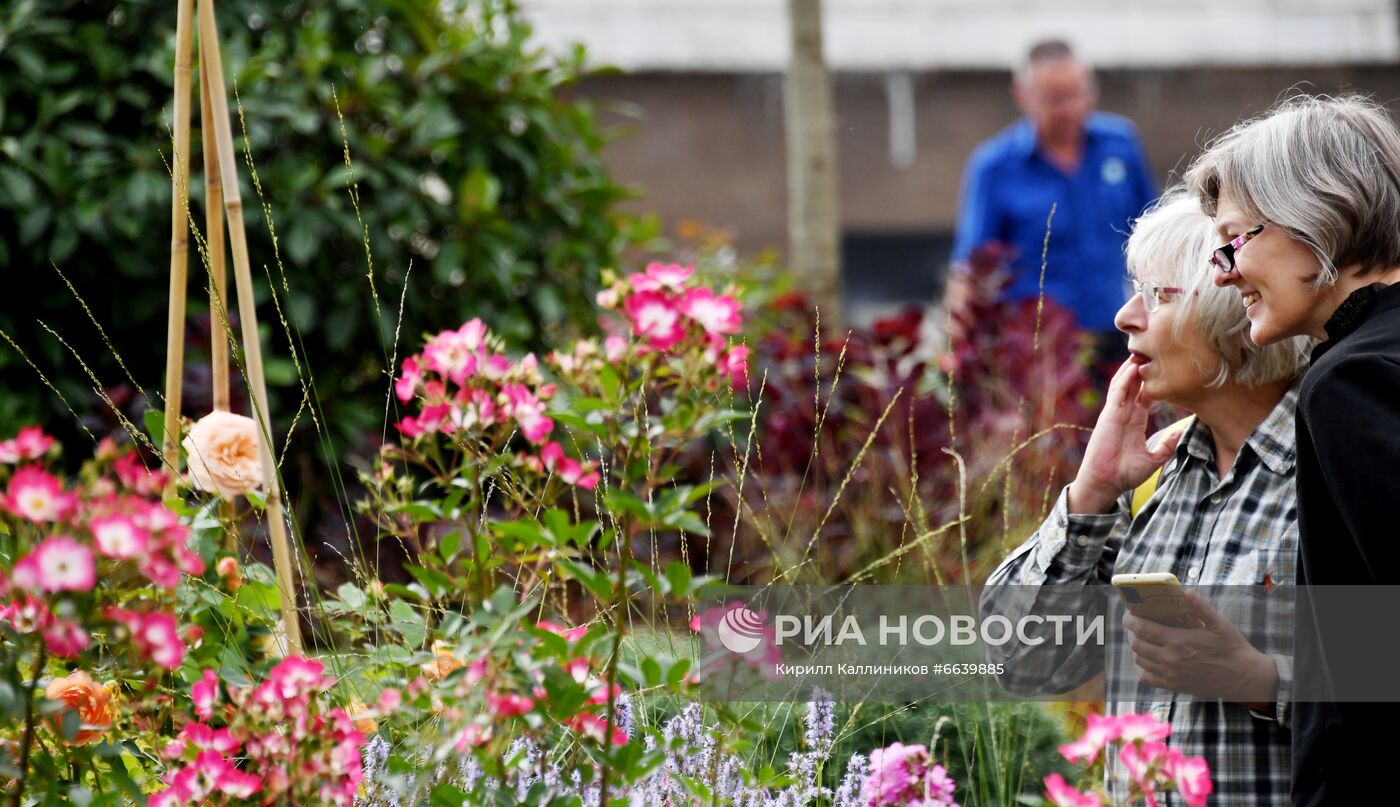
pixel 92 702
pixel 443 664
pixel 361 716
pixel 222 451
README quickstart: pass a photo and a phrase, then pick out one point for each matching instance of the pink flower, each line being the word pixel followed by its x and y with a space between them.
pixel 295 677
pixel 528 412
pixel 497 367
pixel 614 348
pixel 65 639
pixel 473 736
pixel 159 635
pixel 567 468
pixel 30 444
pixel 134 475
pixel 508 705
pixel 902 774
pixel 655 319
pixel 26 614
pixel 39 497
pixel 1192 777
pixel 1101 731
pixel 1140 758
pixel 117 536
pixel 1132 727
pixel 593 727
pixel 453 354
pixel 207 738
pixel 236 783
pixel 389 701
pixel 407 384
pixel 156 635
pixel 577 669
pixel 58 563
pixel 735 364
pixel 715 314
pixel 662 276
pixel 607 298
pixel 572 634
pixel 205 694
pixel 1058 791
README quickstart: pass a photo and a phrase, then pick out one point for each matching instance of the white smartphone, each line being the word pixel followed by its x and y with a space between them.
pixel 1157 596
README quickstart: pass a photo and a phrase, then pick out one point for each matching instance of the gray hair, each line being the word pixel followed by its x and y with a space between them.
pixel 1044 52
pixel 1322 169
pixel 1172 244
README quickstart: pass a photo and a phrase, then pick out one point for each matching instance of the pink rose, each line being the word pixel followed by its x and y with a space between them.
pixel 223 455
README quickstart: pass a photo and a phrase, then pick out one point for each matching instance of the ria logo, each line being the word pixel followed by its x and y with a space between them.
pixel 740 630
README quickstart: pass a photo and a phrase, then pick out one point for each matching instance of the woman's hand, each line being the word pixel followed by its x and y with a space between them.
pixel 1212 661
pixel 1118 457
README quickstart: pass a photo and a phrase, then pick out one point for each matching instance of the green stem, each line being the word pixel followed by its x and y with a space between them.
pixel 624 554
pixel 28 740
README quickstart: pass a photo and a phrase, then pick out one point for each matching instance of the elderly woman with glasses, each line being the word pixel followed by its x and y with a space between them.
pixel 1223 512
pixel 1307 199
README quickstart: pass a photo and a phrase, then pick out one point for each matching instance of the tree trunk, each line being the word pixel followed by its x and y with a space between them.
pixel 813 217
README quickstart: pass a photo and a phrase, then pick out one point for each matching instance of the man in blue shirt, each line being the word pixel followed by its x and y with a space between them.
pixel 1089 165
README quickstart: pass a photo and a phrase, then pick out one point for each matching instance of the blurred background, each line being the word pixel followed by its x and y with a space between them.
pixel 917 84
pixel 423 162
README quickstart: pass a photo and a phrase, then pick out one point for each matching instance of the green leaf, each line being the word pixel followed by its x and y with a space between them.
pixel 155 426
pixel 595 581
pixel 679 576
pixel 628 503
pixel 448 546
pixel 651 672
pixel 446 795
pixel 689 522
pixel 351 595
pixel 262 599
pixel 421 511
pixel 524 535
pixel 477 194
pixel 18 188
pixel 408 622
pixel 435 583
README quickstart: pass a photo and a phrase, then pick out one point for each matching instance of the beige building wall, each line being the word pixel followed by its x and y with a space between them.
pixel 709 146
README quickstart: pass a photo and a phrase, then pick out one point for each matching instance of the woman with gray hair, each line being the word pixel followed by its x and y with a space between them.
pixel 1307 201
pixel 1222 513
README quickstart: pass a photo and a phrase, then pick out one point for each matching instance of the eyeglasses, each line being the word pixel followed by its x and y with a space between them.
pixel 1224 257
pixel 1154 294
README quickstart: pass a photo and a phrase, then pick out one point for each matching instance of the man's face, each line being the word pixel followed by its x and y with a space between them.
pixel 1057 97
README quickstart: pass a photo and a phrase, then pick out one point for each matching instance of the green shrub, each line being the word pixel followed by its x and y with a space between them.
pixel 471 166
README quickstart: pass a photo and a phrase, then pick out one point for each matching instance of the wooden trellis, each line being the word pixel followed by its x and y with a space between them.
pixel 218 156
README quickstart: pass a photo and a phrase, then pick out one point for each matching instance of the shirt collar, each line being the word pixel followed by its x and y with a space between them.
pixel 1352 312
pixel 1273 441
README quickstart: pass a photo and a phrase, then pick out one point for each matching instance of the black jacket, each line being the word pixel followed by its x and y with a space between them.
pixel 1349 534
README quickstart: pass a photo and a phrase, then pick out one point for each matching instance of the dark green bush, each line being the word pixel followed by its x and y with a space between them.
pixel 471 166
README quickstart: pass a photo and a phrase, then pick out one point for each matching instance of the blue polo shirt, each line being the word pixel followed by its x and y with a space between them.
pixel 1007 192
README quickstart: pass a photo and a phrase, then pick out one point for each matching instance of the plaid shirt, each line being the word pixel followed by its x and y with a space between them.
pixel 1237 531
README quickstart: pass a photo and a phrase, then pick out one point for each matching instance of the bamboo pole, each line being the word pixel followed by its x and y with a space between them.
pixel 179 243
pixel 218 277
pixel 247 316
pixel 214 237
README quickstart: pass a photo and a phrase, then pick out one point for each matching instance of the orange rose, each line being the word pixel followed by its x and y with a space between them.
pixel 359 714
pixel 92 702
pixel 443 663
pixel 222 451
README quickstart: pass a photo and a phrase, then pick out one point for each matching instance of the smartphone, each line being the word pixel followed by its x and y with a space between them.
pixel 1157 596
